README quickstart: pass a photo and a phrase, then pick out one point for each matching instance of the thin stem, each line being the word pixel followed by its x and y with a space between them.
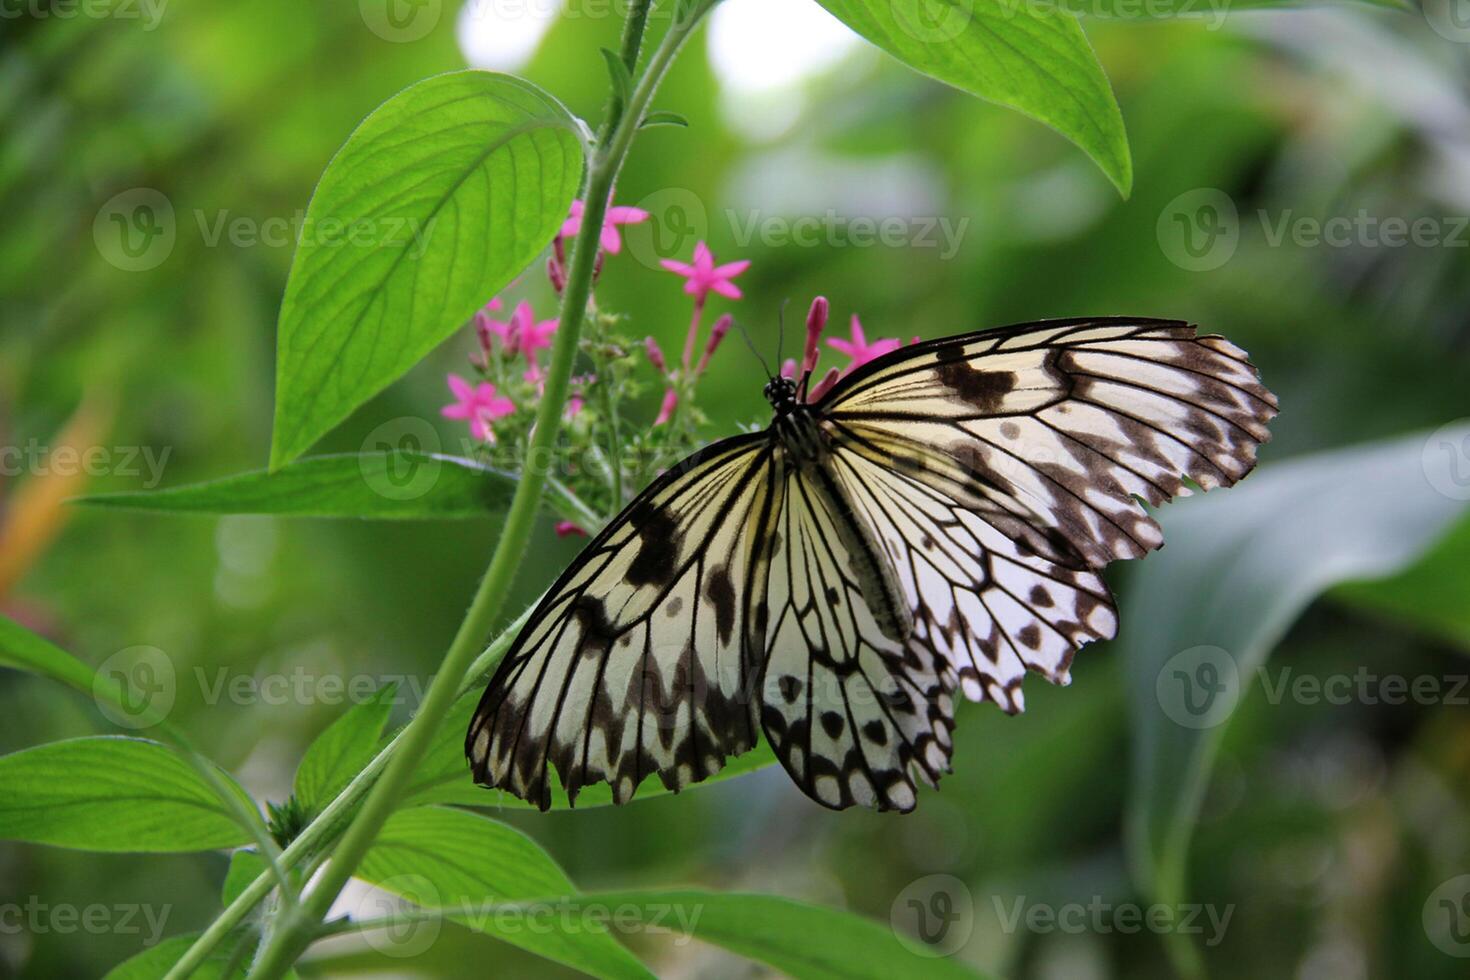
pixel 691 337
pixel 301 924
pixel 318 834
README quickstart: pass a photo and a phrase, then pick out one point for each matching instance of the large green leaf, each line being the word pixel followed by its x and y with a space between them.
pixel 800 940
pixel 1433 595
pixel 467 865
pixel 441 197
pixel 1032 57
pixel 1203 614
pixel 111 793
pixel 444 776
pixel 379 485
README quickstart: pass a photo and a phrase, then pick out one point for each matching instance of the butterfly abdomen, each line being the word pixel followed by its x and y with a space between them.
pixel 806 446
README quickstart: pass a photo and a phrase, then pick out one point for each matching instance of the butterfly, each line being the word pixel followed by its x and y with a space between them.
pixel 932 524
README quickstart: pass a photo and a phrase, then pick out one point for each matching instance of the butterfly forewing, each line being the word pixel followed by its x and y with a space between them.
pixel 1068 422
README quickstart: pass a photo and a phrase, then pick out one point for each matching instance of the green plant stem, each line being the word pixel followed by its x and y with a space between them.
pixel 319 833
pixel 301 924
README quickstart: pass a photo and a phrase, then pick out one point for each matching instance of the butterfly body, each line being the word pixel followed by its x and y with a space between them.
pixel 932 525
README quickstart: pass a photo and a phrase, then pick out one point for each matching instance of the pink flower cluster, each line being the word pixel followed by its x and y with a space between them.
pixel 523 335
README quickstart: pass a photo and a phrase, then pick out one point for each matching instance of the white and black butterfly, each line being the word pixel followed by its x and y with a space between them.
pixel 934 522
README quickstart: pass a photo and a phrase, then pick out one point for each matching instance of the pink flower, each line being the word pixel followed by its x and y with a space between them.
pixel 609 239
pixel 565 528
pixel 521 334
pixel 788 368
pixel 478 404
pixel 534 335
pixel 704 277
pixel 858 347
pixel 666 410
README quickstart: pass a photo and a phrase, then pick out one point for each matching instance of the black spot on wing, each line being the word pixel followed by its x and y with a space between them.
pixel 721 593
pixel 658 549
pixel 986 390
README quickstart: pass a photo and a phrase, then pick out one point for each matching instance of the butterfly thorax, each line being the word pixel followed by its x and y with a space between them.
pixel 795 424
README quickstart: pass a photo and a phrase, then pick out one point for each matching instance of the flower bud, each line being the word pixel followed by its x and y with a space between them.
pixel 655 355
pixel 816 320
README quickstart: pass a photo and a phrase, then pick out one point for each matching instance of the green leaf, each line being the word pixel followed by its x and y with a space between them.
pixel 441 197
pixel 618 72
pixel 111 793
pixel 397 485
pixel 227 961
pixel 799 940
pixel 343 750
pixel 246 865
pixel 24 650
pixel 1429 596
pixel 467 865
pixel 1031 57
pixel 444 776
pixel 134 689
pixel 1203 614
pixel 663 118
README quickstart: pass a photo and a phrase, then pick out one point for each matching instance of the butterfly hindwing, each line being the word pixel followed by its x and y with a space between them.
pixel 988 606
pixel 633 663
pixel 851 714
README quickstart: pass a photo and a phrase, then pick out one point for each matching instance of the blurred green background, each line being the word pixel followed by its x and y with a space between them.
pixel 1325 827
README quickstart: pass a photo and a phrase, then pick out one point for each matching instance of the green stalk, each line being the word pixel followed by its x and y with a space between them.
pixel 301 924
pixel 318 834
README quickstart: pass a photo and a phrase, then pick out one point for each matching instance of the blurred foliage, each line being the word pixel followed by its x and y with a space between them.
pixel 1325 827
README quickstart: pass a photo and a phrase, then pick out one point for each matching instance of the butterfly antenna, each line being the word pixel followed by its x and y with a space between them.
pixel 751 344
pixel 781 329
